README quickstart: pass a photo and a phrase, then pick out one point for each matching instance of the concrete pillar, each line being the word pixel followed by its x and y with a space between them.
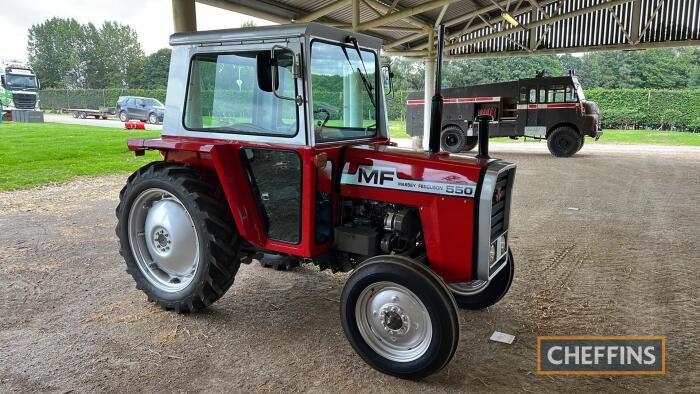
pixel 428 99
pixel 353 99
pixel 184 16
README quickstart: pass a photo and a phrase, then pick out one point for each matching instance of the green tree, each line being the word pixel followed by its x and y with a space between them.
pixel 248 23
pixel 152 71
pixel 54 49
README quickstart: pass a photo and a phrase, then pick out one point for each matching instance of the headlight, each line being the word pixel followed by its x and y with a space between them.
pixel 492 254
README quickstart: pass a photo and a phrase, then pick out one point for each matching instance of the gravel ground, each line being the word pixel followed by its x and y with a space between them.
pixel 624 262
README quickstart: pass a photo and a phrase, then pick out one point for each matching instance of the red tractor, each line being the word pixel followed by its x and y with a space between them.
pixel 276 141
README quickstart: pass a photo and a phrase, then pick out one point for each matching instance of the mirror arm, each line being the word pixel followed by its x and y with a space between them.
pixel 273 65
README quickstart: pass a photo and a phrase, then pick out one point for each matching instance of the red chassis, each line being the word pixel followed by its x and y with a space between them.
pixel 447 221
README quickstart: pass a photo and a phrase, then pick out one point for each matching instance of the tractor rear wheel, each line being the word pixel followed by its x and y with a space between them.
pixel 563 142
pixel 452 139
pixel 177 236
pixel 399 317
pixel 480 294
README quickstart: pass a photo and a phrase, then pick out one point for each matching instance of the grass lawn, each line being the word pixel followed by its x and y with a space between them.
pixel 33 154
pixel 397 129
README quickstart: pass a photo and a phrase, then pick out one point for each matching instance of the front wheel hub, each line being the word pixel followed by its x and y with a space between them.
pixel 393 321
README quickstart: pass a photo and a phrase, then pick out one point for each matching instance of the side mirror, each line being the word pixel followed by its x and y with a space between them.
pixel 263 64
pixel 388 79
pixel 269 66
pixel 38 84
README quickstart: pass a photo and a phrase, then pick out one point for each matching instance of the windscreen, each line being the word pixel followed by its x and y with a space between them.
pixel 344 91
pixel 16 81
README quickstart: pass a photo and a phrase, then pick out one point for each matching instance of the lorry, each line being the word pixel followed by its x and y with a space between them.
pixel 18 87
pixel 544 108
pixel 252 164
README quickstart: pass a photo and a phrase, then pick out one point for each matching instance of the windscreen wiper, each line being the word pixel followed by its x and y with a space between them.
pixel 365 80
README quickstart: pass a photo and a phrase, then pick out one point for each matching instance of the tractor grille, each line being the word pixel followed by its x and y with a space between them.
pixel 499 205
pixel 24 101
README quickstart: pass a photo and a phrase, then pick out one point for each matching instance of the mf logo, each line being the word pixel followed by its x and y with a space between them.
pixel 376 177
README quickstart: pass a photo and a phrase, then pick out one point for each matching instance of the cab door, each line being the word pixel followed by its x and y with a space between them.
pixel 535 97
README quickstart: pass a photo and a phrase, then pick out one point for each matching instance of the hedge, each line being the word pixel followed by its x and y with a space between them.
pixel 621 108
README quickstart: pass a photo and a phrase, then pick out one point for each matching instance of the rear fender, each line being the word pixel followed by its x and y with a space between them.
pixel 222 160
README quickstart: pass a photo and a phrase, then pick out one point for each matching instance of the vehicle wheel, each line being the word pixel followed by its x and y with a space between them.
pixel 480 294
pixel 563 142
pixel 152 119
pixel 452 139
pixel 82 115
pixel 580 145
pixel 470 144
pixel 279 263
pixel 177 236
pixel 399 317
pixel 76 114
pixel 104 118
pixel 123 117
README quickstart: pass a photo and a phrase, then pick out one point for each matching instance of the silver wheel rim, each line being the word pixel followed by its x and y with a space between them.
pixel 153 119
pixel 393 321
pixel 163 240
pixel 468 288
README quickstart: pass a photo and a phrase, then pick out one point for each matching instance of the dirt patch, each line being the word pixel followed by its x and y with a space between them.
pixel 623 262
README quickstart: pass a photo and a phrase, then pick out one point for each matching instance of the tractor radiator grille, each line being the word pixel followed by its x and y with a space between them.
pixel 499 205
pixel 24 101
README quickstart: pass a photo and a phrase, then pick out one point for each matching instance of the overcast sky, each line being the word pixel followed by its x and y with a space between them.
pixel 152 20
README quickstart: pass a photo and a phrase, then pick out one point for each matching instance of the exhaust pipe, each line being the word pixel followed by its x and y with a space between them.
pixel 484 136
pixel 436 110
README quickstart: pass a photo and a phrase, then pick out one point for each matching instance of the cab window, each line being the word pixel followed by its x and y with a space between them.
pixel 223 96
pixel 533 96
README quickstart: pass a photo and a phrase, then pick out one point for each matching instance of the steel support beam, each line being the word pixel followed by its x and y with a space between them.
pixel 323 11
pixel 636 21
pixel 599 48
pixel 355 14
pixel 184 16
pixel 408 12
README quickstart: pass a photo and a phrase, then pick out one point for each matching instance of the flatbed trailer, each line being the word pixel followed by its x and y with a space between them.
pixel 84 113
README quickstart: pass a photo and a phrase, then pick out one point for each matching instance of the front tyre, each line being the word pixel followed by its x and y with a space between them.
pixel 480 294
pixel 123 116
pixel 399 317
pixel 177 236
pixel 563 142
pixel 153 119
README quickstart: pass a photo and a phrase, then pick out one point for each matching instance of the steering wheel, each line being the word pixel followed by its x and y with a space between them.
pixel 323 111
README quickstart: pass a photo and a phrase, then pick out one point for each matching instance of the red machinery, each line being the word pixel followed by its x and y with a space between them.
pixel 284 149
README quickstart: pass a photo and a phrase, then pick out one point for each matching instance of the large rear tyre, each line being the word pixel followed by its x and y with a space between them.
pixel 399 317
pixel 177 236
pixel 581 143
pixel 479 294
pixel 452 139
pixel 563 142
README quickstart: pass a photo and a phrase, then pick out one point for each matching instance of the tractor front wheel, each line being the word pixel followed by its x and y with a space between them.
pixel 177 236
pixel 399 317
pixel 480 294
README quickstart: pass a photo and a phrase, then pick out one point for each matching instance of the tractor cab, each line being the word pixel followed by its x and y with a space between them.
pixel 275 141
